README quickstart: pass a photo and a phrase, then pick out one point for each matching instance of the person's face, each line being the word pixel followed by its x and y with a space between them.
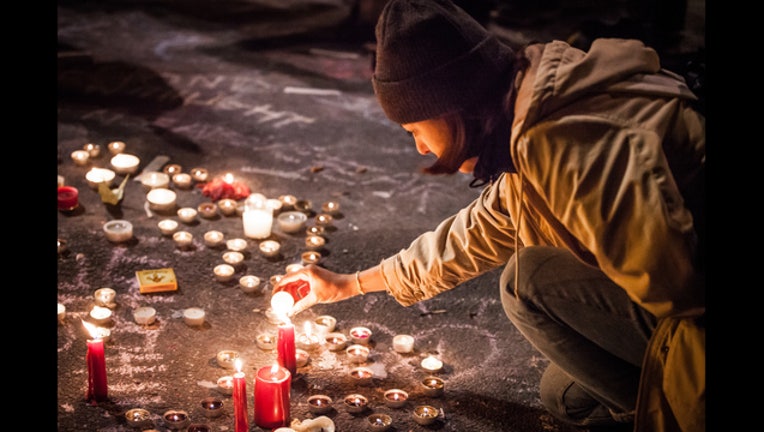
pixel 434 136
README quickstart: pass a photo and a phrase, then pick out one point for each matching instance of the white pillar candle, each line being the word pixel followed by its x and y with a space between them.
pixel 257 218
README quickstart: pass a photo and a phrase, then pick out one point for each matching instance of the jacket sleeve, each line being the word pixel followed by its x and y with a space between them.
pixel 610 185
pixel 478 238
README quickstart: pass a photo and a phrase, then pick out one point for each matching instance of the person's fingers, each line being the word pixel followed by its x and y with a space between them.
pixel 306 302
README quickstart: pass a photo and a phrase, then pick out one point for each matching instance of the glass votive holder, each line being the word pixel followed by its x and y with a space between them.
pixel 100 315
pixel 233 258
pixel 379 422
pixel 138 418
pixel 224 272
pixel 118 230
pixel 357 353
pixel 270 248
pixel 194 316
pixel 355 403
pixel 425 414
pixel 287 201
pixel 167 226
pixel 266 341
pixel 212 407
pixel 199 174
pixel 395 398
pixel 433 386
pixel 80 157
pixel 172 169
pixel 227 358
pixel 145 315
pixel 301 357
pixel 236 244
pixel 187 214
pixel 124 163
pixel 227 206
pixel 310 257
pixel 225 385
pixel 325 324
pixel 94 150
pixel 324 219
pixel 176 419
pixel 105 297
pixel 183 239
pixel 315 230
pixel 319 404
pixel 68 198
pixel 161 199
pixel 335 341
pixel 330 207
pixel 432 364
pixel 249 283
pixel 207 210
pixel 116 147
pixel 291 221
pixel 314 242
pixel 155 179
pixel 214 238
pixel 403 343
pixel 360 335
pixel 97 176
pixel 361 375
pixel 182 180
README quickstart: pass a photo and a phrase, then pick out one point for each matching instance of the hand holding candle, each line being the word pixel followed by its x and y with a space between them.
pixel 241 418
pixel 97 386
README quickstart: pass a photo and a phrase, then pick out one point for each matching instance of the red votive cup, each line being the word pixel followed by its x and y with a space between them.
pixel 68 198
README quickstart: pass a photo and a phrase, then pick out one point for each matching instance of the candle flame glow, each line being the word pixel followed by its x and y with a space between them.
pixel 237 364
pixel 92 329
pixel 275 369
pixel 282 303
pixel 228 178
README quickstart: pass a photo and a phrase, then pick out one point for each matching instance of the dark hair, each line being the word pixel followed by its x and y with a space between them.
pixel 484 131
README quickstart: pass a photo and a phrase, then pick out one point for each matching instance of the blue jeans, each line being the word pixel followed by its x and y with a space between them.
pixel 589 329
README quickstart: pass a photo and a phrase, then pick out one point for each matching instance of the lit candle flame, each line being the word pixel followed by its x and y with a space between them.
pixel 237 364
pixel 228 178
pixel 307 327
pixel 274 369
pixel 92 329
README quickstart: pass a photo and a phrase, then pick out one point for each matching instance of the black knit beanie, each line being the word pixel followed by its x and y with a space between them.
pixel 433 58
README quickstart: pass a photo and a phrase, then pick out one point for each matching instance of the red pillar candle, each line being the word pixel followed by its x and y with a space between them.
pixel 241 418
pixel 68 198
pixel 97 386
pixel 286 348
pixel 272 386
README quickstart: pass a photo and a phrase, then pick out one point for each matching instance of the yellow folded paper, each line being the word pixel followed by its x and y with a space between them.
pixel 157 280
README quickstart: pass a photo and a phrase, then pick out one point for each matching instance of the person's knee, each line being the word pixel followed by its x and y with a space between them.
pixel 569 402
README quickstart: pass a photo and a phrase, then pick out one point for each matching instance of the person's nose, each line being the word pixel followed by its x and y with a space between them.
pixel 421 148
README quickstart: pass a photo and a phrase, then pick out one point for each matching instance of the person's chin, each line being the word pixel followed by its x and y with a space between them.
pixel 468 166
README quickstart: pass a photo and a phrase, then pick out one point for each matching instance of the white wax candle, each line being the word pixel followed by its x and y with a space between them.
pixel 118 230
pixel 99 175
pixel 155 179
pixel 193 316
pixel 124 163
pixel 145 315
pixel 257 222
pixel 403 343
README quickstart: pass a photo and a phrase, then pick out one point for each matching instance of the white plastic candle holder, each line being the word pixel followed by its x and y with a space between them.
pixel 249 283
pixel 125 163
pixel 182 180
pixel 187 215
pixel 100 315
pixel 97 176
pixel 432 364
pixel 161 199
pixel 224 272
pixel 227 206
pixel 214 238
pixel 154 180
pixel 207 210
pixel 291 221
pixel 145 315
pixel 194 316
pixel 236 244
pixel 183 239
pixel 360 335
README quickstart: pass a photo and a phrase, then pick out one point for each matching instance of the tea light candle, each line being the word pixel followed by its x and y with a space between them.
pixel 330 207
pixel 249 283
pixel 100 315
pixel 99 175
pixel 124 163
pixel 187 214
pixel 227 206
pixel 270 248
pixel 301 357
pixel 335 341
pixel 403 343
pixel 293 267
pixel 198 427
pixel 183 239
pixel 155 179
pixel 172 169
pixel 307 340
pixel 432 364
pixel 61 312
pixel 61 180
pixel 233 258
pixel 161 199
pixel 325 324
pixel 226 358
pixel 314 242
pixel 94 150
pixel 214 238
pixel 212 407
pixel 287 201
pixel 315 230
pixel 310 257
pixel 425 414
pixel 145 315
pixel 225 385
pixel 396 398
pixel 118 230
pixel 224 272
pixel 236 244
pixel 304 206
pixel 324 219
pixel 138 418
pixel 272 396
pixel 199 174
pixel 355 403
pixel 361 375
pixel 61 246
pixel 357 353
pixel 207 210
pixel 80 157
pixel 379 422
pixel 116 147
pixel 274 204
pixel 105 297
pixel 319 404
pixel 68 198
pixel 182 180
pixel 193 316
pixel 176 419
pixel 360 335
pixel 266 341
pixel 433 386
pixel 291 221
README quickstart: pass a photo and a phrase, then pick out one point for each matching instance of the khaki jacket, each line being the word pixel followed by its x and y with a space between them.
pixel 604 143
